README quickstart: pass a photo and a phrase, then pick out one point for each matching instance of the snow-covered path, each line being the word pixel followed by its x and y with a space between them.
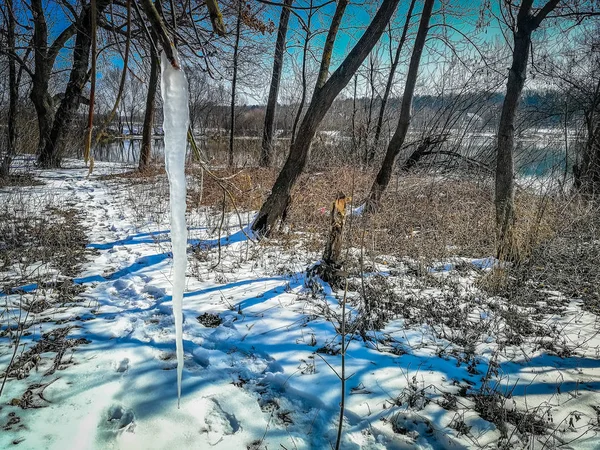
pixel 260 378
pixel 121 393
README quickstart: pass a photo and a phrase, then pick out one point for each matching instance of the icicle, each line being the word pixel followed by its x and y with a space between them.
pixel 175 125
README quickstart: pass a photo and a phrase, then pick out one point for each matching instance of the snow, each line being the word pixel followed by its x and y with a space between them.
pixel 256 380
pixel 174 90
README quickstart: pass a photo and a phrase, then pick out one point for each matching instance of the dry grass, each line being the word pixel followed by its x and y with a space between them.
pixel 135 176
pixel 20 180
pixel 566 261
pixel 422 217
pixel 52 236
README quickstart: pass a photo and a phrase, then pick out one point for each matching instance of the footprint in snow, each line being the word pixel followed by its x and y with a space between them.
pixel 123 366
pixel 219 423
pixel 154 291
pixel 120 418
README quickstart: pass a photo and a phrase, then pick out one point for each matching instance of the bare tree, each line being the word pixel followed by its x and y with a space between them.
pixel 13 94
pixel 578 78
pixel 390 81
pixel 148 130
pixel 340 9
pixel 527 21
pixel 307 37
pixel 385 172
pixel 44 58
pixel 50 154
pixel 267 141
pixel 236 46
pixel 273 208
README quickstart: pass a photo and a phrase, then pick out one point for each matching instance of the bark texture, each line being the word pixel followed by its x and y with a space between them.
pixel 44 57
pixel 340 9
pixel 333 248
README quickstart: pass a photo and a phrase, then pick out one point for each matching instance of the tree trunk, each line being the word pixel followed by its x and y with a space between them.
pixel 587 176
pixel 329 269
pixel 367 129
pixel 321 101
pixel 333 248
pixel 267 141
pixel 303 75
pixel 340 9
pixel 13 94
pixel 40 97
pixel 234 80
pixel 505 188
pixel 50 153
pixel 390 82
pixel 147 132
pixel 385 173
pixel 44 58
pixel 87 156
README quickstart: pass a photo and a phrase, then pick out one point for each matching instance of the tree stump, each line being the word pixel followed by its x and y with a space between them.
pixel 333 249
pixel 329 269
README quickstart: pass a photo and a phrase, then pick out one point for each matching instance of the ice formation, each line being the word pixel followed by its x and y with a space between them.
pixel 175 125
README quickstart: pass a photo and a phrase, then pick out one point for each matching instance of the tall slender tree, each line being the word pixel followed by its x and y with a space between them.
pixel 340 9
pixel 305 47
pixel 527 21
pixel 390 81
pixel 267 140
pixel 236 46
pixel 385 172
pixel 148 130
pixel 13 92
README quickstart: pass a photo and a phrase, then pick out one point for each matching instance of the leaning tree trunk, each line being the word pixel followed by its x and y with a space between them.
pixel 267 141
pixel 147 132
pixel 303 73
pixel 336 20
pixel 13 93
pixel 50 154
pixel 340 9
pixel 385 172
pixel 390 82
pixel 275 205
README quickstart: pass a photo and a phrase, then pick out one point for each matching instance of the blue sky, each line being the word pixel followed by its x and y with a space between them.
pixel 462 15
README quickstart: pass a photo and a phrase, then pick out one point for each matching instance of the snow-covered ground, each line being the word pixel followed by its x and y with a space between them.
pixel 259 366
